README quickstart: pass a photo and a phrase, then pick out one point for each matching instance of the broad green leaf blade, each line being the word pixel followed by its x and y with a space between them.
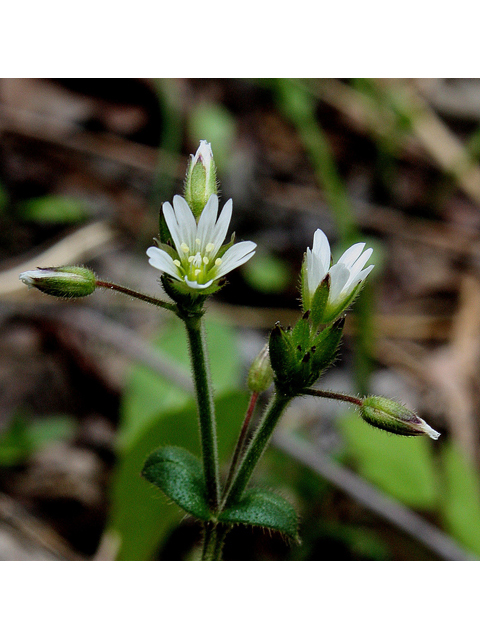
pixel 403 467
pixel 261 508
pixel 140 514
pixel 157 413
pixel 460 503
pixel 179 475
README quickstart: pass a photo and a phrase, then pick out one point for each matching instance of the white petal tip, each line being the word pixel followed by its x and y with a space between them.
pixel 26 277
pixel 427 429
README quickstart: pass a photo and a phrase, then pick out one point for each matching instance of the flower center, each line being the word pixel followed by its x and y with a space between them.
pixel 196 265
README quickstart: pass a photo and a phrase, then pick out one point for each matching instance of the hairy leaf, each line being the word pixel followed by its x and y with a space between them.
pixel 262 508
pixel 179 475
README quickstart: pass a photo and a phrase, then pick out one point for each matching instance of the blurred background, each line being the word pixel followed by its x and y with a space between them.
pixel 89 387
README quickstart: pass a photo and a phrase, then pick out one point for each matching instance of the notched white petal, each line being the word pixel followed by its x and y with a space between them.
pixel 172 224
pixel 352 254
pixel 361 261
pixel 321 249
pixel 235 257
pixel 206 224
pixel 338 279
pixel 185 219
pixel 160 260
pixel 222 225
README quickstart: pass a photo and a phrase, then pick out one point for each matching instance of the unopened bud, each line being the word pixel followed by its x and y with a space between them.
pixel 201 178
pixel 389 415
pixel 64 282
pixel 260 376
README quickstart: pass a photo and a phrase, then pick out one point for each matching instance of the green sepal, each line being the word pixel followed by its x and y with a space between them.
pixel 392 416
pixel 62 282
pixel 301 332
pixel 224 248
pixel 189 303
pixel 319 301
pixel 343 306
pixel 167 248
pixel 164 232
pixel 282 353
pixel 325 349
pixel 304 290
pixel 178 473
pixel 262 508
pixel 195 188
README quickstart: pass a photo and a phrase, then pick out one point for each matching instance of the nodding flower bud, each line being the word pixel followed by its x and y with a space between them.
pixel 260 376
pixel 63 282
pixel 201 178
pixel 389 415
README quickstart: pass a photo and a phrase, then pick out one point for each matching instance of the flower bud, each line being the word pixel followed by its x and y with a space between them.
pixel 201 178
pixel 260 376
pixel 64 282
pixel 389 415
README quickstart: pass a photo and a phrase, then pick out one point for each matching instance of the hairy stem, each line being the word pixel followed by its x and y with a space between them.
pixel 213 540
pixel 240 446
pixel 332 395
pixel 206 410
pixel 136 294
pixel 257 446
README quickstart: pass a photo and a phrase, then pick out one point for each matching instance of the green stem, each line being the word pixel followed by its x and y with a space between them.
pixel 332 395
pixel 213 541
pixel 257 446
pixel 136 294
pixel 241 442
pixel 206 409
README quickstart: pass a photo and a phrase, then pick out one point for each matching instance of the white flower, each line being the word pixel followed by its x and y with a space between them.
pixel 199 259
pixel 345 276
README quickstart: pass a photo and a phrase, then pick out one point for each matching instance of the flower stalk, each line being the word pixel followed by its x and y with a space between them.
pixel 136 294
pixel 205 407
pixel 334 395
pixel 257 446
pixel 241 442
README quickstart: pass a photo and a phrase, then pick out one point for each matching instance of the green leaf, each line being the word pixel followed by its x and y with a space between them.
pixel 460 503
pixel 179 475
pixel 155 412
pixel 140 515
pixel 261 508
pixel 53 210
pixel 403 467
